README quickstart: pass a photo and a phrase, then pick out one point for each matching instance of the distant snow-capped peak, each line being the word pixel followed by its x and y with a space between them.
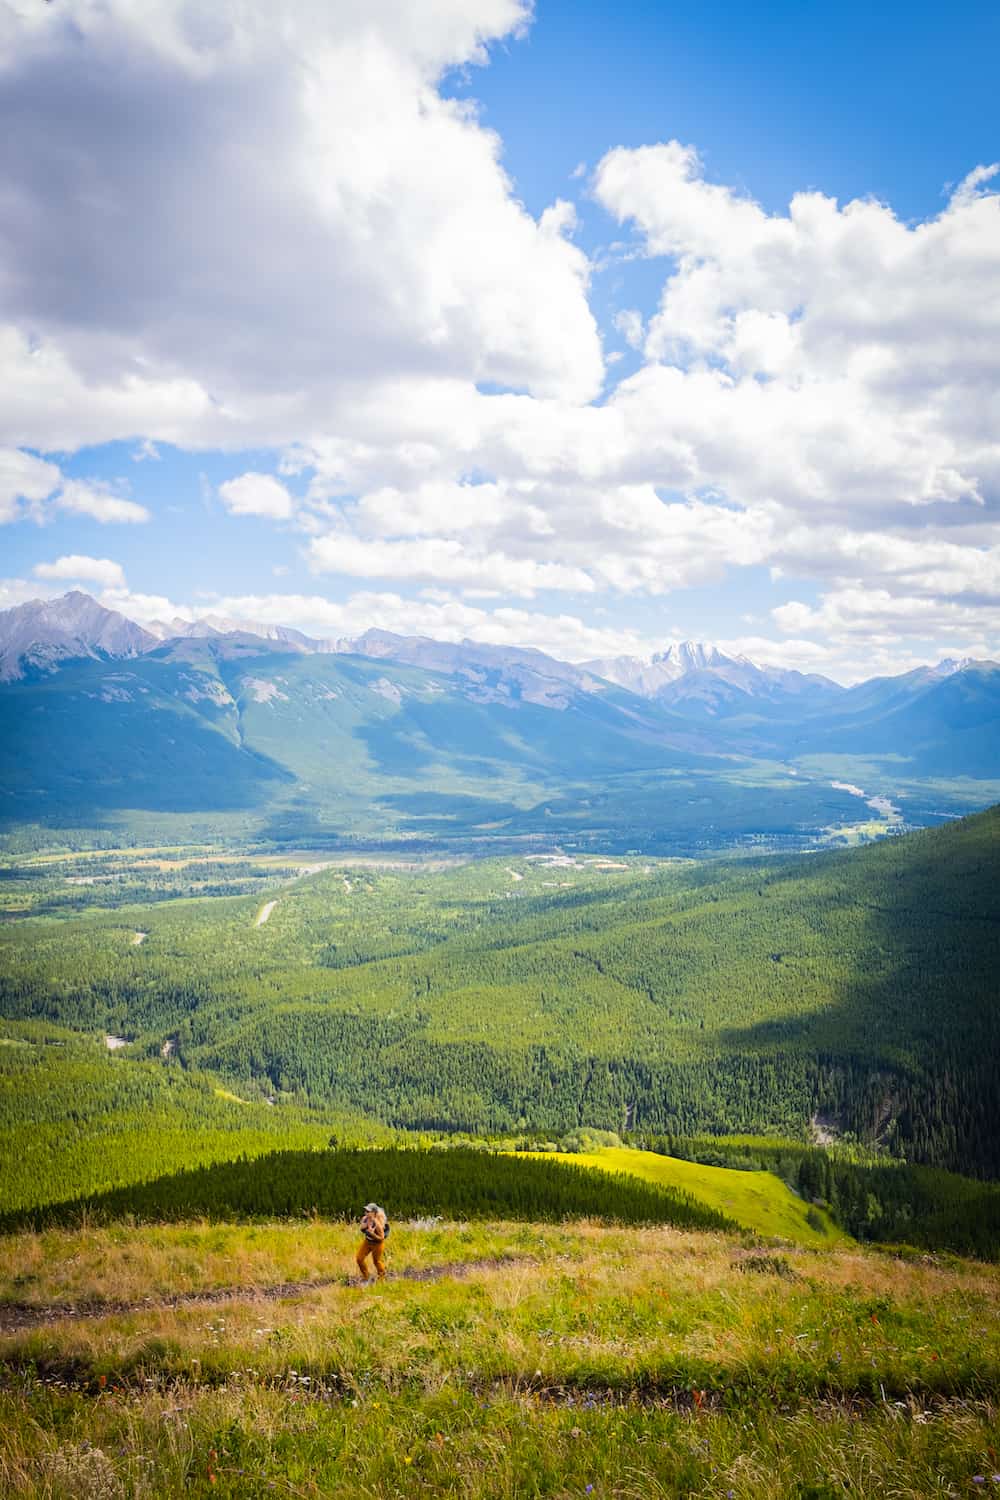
pixel 208 626
pixel 952 664
pixel 701 670
pixel 648 675
pixel 696 656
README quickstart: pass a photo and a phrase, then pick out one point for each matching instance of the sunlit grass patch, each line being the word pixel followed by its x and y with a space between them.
pixel 638 1363
pixel 756 1200
pixel 578 1307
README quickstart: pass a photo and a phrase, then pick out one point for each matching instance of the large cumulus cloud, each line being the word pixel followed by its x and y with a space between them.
pixel 216 218
pixel 265 226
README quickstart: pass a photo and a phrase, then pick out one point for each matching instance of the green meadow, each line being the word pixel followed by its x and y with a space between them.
pixel 497 1360
pixel 757 1201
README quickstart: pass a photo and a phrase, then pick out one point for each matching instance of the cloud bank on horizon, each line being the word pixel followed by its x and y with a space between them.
pixel 268 232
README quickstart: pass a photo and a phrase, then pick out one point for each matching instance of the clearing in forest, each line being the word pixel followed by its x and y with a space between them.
pixel 264 913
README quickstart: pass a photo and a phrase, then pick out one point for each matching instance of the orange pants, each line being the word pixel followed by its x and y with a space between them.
pixel 376 1249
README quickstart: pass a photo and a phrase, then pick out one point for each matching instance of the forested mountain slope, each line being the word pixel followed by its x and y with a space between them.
pixel 108 733
pixel 316 747
pixel 541 994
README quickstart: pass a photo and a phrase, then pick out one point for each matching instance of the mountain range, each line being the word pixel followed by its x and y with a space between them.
pixel 429 736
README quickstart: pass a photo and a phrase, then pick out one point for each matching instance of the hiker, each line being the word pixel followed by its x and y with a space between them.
pixel 374 1228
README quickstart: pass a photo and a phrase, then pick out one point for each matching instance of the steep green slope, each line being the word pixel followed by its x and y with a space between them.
pixel 76 1120
pixel 527 994
pixel 102 736
pixel 755 1200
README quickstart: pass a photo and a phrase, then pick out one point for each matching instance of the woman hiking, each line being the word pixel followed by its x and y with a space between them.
pixel 374 1229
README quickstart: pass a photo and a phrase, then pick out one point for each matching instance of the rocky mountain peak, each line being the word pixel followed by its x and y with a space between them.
pixel 40 634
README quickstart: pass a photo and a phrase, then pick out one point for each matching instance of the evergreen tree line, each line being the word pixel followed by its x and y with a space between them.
pixel 873 1199
pixel 458 1183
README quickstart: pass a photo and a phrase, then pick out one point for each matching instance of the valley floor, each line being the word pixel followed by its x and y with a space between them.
pixel 498 1360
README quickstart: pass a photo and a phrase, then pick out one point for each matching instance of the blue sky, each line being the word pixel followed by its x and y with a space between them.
pixel 891 100
pixel 287 336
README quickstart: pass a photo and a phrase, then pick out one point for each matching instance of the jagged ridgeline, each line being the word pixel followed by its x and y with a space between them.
pixel 499 998
pixel 457 1184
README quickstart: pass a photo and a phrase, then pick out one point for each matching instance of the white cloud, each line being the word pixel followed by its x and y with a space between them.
pixel 100 570
pixel 256 495
pixel 846 659
pixel 885 618
pixel 855 360
pixel 303 245
pixel 442 560
pixel 95 498
pixel 24 479
pixel 33 487
pixel 288 209
pixel 630 325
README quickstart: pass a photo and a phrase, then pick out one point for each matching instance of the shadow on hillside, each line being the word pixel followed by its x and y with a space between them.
pixel 427 810
pixel 909 1043
pixel 457 1183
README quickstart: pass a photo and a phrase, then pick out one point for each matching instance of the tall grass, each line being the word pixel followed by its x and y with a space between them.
pixel 585 1362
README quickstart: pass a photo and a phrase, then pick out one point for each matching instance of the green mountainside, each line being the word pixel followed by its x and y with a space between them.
pixel 541 994
pixel 229 737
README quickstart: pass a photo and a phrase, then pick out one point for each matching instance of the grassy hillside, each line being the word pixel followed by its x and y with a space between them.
pixel 76 1120
pixel 536 996
pixel 469 1182
pixel 497 1361
pixel 757 1201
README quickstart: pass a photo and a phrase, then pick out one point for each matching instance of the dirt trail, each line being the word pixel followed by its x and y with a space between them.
pixel 264 913
pixel 18 1316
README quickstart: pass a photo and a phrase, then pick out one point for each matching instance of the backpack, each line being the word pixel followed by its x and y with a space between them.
pixel 373 1239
